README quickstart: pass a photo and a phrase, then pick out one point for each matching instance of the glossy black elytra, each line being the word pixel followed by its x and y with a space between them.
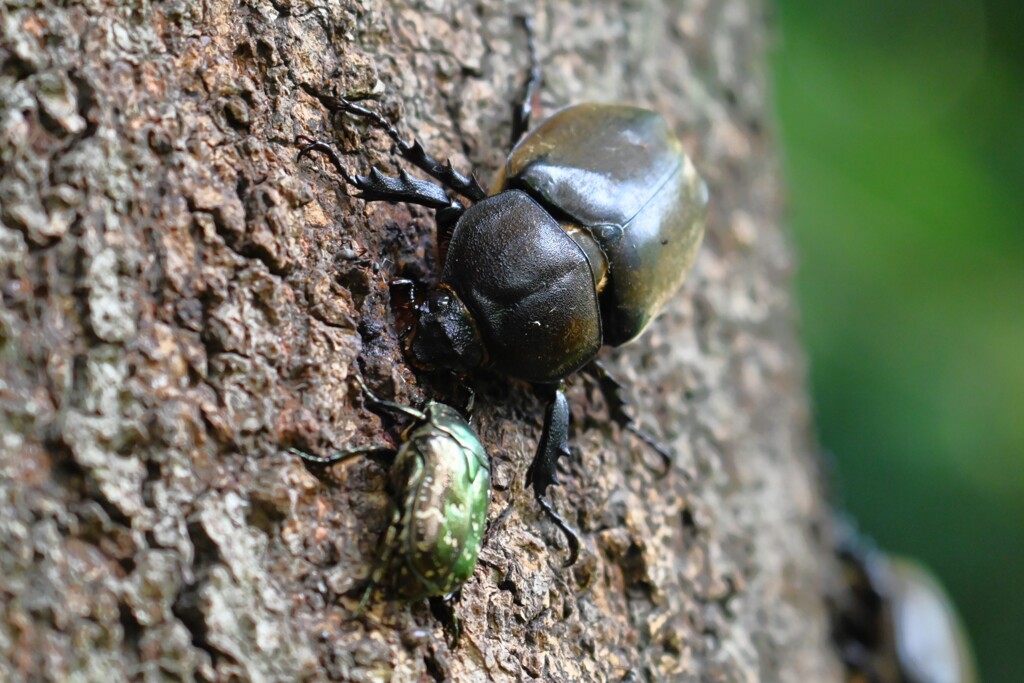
pixel 594 222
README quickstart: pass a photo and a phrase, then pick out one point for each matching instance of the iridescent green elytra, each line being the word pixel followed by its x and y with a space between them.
pixel 442 484
pixel 441 487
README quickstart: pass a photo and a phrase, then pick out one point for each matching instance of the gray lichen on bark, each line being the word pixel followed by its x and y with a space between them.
pixel 181 301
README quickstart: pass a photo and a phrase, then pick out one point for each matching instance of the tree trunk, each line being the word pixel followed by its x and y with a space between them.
pixel 182 301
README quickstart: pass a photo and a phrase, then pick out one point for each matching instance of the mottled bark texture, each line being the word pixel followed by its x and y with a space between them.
pixel 182 301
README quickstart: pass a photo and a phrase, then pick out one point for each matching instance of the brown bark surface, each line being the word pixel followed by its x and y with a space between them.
pixel 182 301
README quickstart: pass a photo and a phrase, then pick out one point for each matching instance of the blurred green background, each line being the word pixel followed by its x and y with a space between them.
pixel 903 135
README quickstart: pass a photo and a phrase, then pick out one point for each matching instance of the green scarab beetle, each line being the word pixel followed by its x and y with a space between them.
pixel 440 480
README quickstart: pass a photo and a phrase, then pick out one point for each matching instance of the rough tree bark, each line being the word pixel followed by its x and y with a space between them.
pixel 181 301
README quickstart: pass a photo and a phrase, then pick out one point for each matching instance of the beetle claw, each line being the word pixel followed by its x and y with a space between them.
pixel 571 537
pixel 661 450
pixel 413 151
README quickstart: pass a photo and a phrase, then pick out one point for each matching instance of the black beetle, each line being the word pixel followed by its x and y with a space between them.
pixel 441 488
pixel 892 621
pixel 593 225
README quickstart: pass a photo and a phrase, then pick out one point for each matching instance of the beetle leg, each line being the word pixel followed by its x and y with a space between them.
pixel 378 187
pixel 379 453
pixel 522 108
pixel 413 152
pixel 611 389
pixel 365 600
pixel 390 405
pixel 443 610
pixel 554 443
pixel 341 456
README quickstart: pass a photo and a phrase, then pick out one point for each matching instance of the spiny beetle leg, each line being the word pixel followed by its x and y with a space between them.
pixel 309 145
pixel 612 389
pixel 522 109
pixel 377 187
pixel 413 152
pixel 554 443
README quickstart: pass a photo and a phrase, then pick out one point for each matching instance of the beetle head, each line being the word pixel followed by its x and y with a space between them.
pixel 439 332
